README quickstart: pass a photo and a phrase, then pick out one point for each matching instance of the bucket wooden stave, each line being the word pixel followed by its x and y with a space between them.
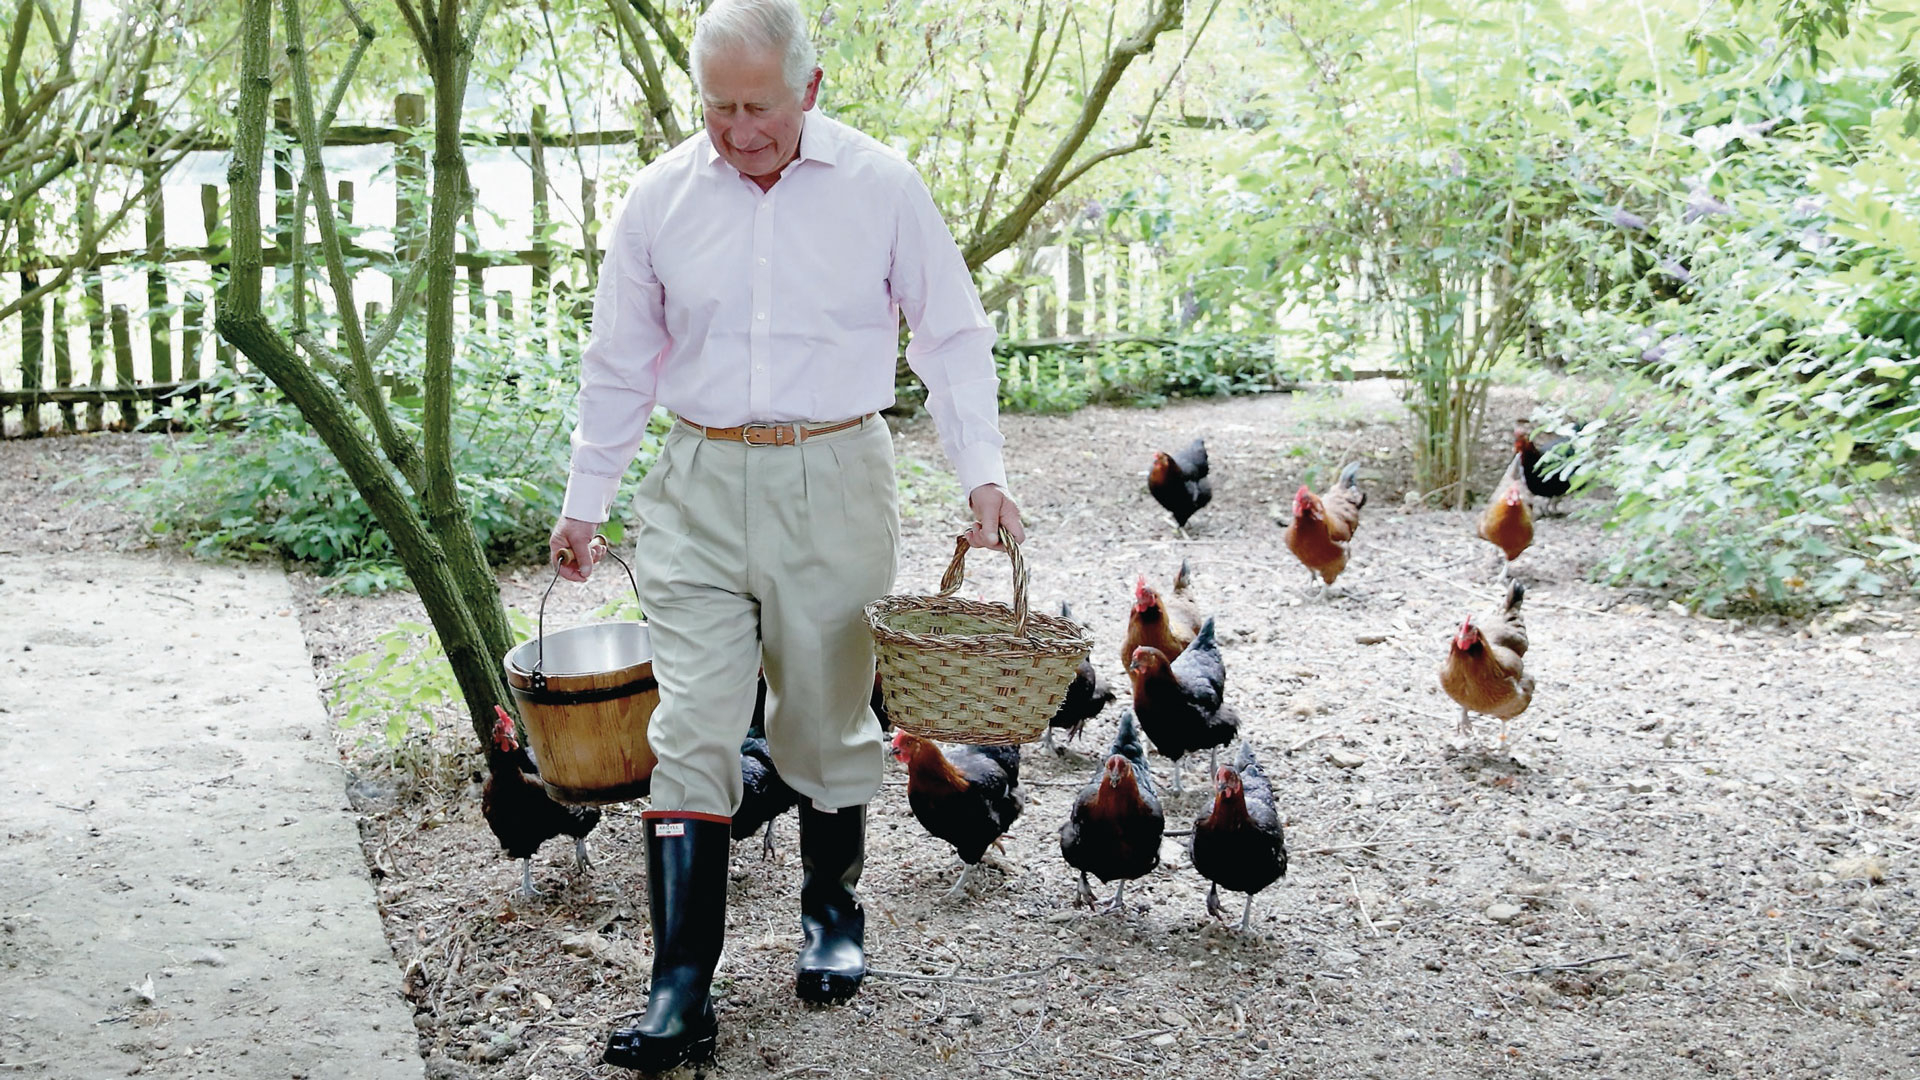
pixel 585 696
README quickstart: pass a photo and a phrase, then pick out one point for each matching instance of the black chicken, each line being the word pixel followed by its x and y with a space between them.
pixel 1238 842
pixel 1179 702
pixel 764 796
pixel 1546 461
pixel 1087 696
pixel 518 809
pixel 1114 829
pixel 1178 481
pixel 968 796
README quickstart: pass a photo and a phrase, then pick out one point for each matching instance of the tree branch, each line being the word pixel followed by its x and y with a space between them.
pixel 399 449
pixel 997 237
pixel 659 103
pixel 670 41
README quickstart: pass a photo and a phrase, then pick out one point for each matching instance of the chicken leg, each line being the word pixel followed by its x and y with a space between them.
pixel 1178 789
pixel 959 890
pixel 527 891
pixel 1465 727
pixel 1246 913
pixel 581 863
pixel 1085 893
pixel 1115 904
pixel 766 842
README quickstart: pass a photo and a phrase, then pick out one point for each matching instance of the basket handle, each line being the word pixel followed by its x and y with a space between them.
pixel 956 573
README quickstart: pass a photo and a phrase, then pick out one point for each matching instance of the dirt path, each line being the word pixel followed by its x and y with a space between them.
pixel 182 892
pixel 1698 861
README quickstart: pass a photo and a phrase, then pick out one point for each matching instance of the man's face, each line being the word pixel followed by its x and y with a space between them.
pixel 753 116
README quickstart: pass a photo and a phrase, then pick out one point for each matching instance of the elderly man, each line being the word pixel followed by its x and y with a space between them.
pixel 754 287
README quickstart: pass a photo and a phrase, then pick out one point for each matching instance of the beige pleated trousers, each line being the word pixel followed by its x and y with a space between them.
pixel 764 556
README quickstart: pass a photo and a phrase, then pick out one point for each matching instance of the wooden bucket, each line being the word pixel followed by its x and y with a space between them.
pixel 585 696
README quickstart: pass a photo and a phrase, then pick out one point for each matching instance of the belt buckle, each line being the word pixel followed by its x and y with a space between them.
pixel 767 434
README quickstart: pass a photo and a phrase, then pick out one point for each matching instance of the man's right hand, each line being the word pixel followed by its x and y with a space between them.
pixel 571 545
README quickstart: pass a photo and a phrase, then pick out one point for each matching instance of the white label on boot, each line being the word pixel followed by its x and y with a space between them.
pixel 670 828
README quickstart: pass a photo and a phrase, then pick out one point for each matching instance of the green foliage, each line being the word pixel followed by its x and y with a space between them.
pixel 260 482
pixel 1143 371
pixel 1766 317
pixel 398 684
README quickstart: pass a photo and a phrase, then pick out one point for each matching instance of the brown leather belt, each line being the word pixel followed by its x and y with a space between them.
pixel 774 434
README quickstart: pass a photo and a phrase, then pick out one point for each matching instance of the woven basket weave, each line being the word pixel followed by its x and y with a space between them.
pixel 970 671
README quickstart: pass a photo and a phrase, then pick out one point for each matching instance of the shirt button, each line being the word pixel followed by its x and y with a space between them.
pixel 763 260
pixel 759 367
pixel 761 316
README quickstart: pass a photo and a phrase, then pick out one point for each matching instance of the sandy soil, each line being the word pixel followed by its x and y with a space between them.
pixel 1696 859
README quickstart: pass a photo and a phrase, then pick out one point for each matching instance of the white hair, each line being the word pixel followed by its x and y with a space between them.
pixel 768 25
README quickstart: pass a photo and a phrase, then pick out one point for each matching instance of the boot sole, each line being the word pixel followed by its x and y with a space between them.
pixel 826 988
pixel 649 1056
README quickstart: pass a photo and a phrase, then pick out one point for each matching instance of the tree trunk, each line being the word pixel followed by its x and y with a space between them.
pixel 438 551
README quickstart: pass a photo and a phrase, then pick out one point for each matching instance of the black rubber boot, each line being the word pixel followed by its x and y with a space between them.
pixel 687 900
pixel 833 958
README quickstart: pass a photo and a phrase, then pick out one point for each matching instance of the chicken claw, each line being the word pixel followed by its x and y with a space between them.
pixel 1115 904
pixel 1213 901
pixel 1465 727
pixel 1084 895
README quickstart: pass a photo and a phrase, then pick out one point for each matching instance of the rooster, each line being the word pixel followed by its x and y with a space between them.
pixel 1178 481
pixel 1114 829
pixel 1507 522
pixel 1323 525
pixel 968 796
pixel 764 795
pixel 1087 696
pixel 1166 621
pixel 518 809
pixel 1179 701
pixel 1485 669
pixel 1546 461
pixel 1238 842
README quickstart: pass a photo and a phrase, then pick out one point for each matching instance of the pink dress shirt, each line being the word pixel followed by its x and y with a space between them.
pixel 729 305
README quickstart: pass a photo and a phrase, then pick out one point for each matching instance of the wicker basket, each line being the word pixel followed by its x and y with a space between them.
pixel 974 672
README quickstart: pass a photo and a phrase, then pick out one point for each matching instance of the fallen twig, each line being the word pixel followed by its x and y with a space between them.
pixel 1437 838
pixel 1572 965
pixel 914 976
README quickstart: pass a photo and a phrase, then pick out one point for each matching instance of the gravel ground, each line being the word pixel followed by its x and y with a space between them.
pixel 1694 859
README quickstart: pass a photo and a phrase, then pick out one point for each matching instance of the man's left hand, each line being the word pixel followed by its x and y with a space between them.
pixel 993 510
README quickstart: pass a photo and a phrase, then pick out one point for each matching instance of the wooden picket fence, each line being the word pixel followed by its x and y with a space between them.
pixel 86 364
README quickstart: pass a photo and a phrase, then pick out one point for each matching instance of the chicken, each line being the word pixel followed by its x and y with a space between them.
pixel 1179 701
pixel 1113 831
pixel 1178 481
pixel 968 796
pixel 1485 669
pixel 518 809
pixel 1087 696
pixel 1546 461
pixel 1166 621
pixel 764 796
pixel 1238 842
pixel 878 702
pixel 1323 525
pixel 1507 522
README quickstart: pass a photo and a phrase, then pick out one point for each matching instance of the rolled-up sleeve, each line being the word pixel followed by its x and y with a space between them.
pixel 619 369
pixel 952 344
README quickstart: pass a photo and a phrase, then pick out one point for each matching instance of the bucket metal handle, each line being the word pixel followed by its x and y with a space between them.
pixel 560 558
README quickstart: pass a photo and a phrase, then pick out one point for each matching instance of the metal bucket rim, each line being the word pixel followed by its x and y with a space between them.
pixel 523 667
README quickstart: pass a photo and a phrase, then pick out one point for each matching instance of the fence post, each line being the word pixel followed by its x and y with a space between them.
pixel 32 334
pixel 193 317
pixel 409 172
pixel 283 178
pixel 589 227
pixel 210 220
pixel 96 329
pixel 1076 287
pixel 62 358
pixel 476 275
pixel 159 319
pixel 123 366
pixel 541 301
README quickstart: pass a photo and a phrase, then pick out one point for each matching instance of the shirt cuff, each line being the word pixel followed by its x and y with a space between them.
pixel 979 464
pixel 589 497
